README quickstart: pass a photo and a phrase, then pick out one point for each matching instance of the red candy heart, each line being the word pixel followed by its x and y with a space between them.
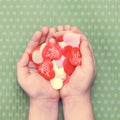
pixel 66 50
pixel 51 51
pixel 68 68
pixel 45 69
pixel 59 38
pixel 75 56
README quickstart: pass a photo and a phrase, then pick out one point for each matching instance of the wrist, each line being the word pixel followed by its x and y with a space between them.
pixel 45 102
pixel 43 109
pixel 75 94
pixel 76 98
pixel 74 105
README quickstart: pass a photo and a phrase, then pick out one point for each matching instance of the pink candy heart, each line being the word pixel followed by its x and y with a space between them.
pixel 72 39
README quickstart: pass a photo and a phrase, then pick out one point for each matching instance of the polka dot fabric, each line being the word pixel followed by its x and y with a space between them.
pixel 100 21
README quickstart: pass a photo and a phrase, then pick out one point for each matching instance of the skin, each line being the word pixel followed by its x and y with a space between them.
pixel 43 98
pixel 75 94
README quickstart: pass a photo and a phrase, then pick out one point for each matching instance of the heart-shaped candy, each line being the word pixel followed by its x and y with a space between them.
pixel 68 68
pixel 75 56
pixel 45 69
pixel 67 50
pixel 59 38
pixel 36 54
pixel 56 83
pixel 51 51
pixel 62 44
pixel 60 62
pixel 59 72
pixel 72 39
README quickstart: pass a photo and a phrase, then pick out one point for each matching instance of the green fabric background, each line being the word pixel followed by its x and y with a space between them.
pixel 100 21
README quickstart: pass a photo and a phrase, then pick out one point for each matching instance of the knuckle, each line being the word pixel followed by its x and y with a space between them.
pixel 60 27
pixel 37 32
pixel 52 30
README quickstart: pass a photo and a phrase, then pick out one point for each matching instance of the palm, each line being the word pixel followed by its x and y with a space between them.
pixel 39 87
pixel 78 83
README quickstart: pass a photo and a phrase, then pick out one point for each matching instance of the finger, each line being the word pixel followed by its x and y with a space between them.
pixel 22 66
pixel 75 29
pixel 52 40
pixel 67 27
pixel 51 33
pixel 35 41
pixel 60 28
pixel 45 31
pixel 91 49
pixel 87 58
pixel 94 61
pixel 84 38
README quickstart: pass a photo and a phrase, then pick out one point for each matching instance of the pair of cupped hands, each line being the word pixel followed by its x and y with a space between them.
pixel 37 87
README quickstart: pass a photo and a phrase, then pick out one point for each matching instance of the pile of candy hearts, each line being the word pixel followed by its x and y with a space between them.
pixel 56 61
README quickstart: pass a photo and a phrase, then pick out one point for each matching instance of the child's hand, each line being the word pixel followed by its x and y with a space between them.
pixel 28 78
pixel 81 80
pixel 76 93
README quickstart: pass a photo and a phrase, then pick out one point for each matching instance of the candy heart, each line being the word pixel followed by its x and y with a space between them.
pixel 59 38
pixel 66 50
pixel 60 62
pixel 62 44
pixel 51 51
pixel 45 69
pixel 31 54
pixel 36 54
pixel 59 72
pixel 75 56
pixel 72 39
pixel 68 68
pixel 56 83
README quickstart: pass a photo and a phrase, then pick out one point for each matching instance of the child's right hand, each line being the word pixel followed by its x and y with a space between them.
pixel 43 98
pixel 35 85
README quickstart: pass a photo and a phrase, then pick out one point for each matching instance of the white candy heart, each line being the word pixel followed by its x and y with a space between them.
pixel 72 39
pixel 37 55
pixel 62 44
pixel 56 83
pixel 59 72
